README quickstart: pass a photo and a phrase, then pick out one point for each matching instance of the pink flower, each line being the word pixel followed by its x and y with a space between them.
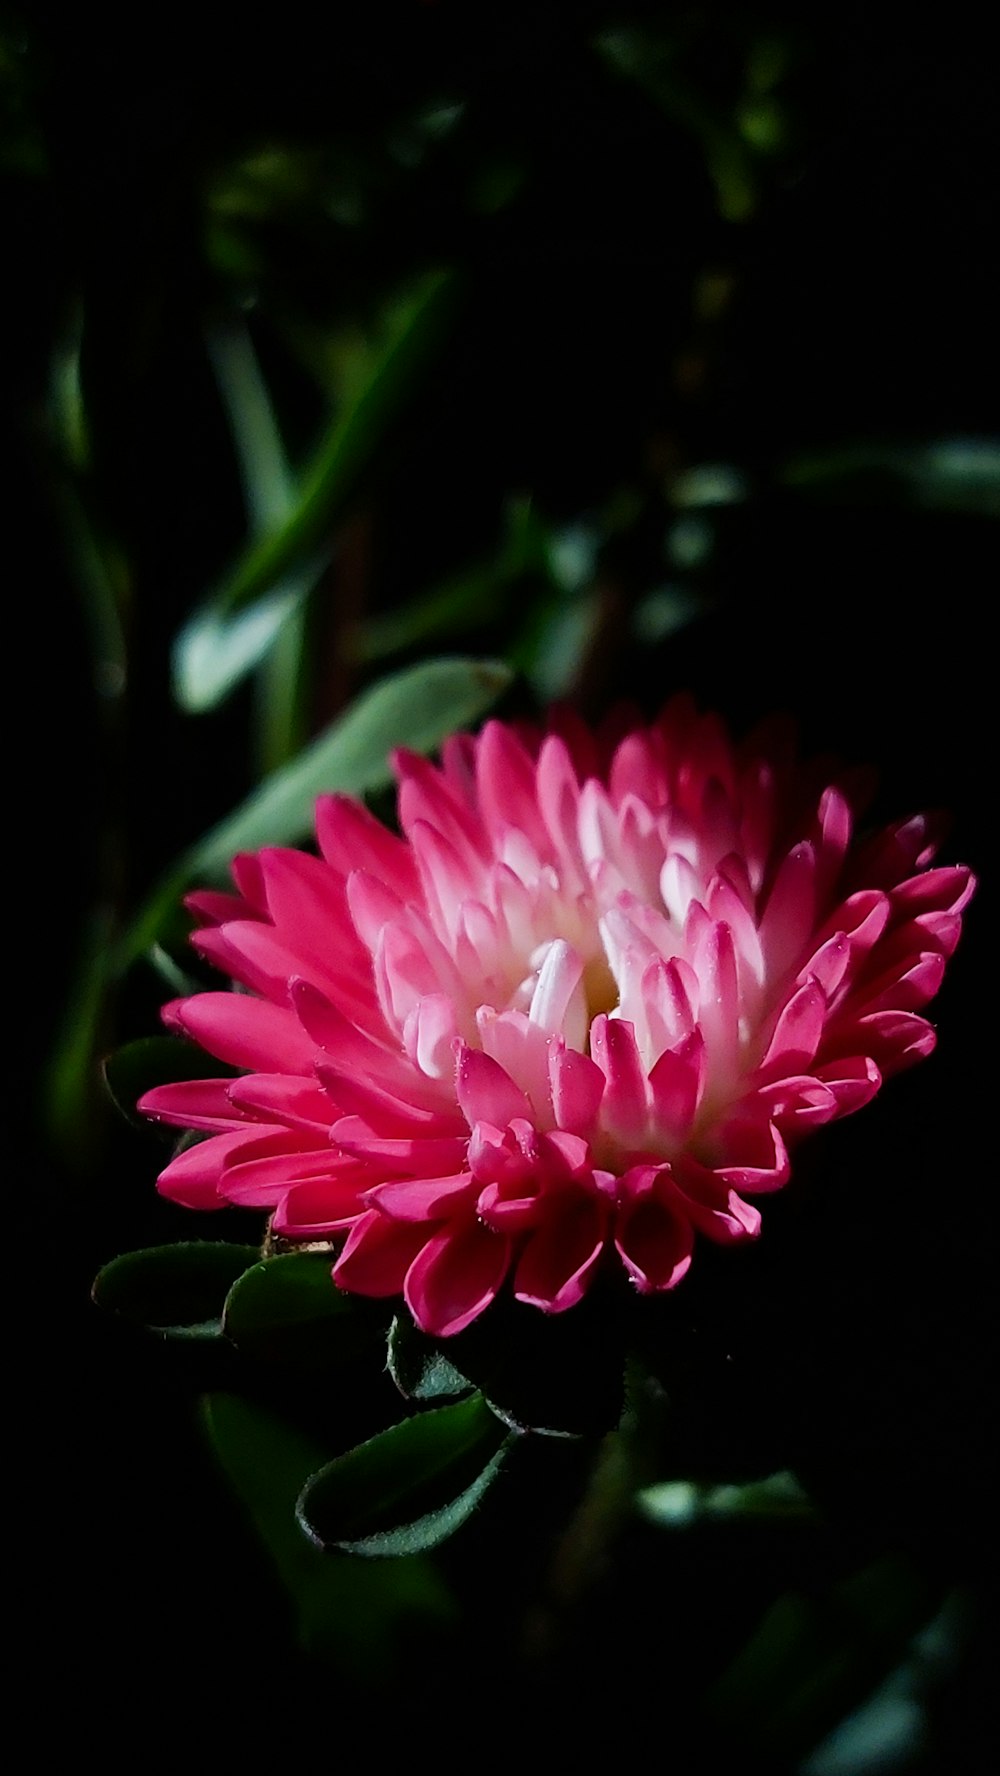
pixel 579 1013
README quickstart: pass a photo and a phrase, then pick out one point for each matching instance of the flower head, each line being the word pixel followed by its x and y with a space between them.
pixel 579 1012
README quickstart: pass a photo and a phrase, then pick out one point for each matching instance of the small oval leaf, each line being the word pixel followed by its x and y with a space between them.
pixel 411 1486
pixel 419 1366
pixel 178 1290
pixel 288 1309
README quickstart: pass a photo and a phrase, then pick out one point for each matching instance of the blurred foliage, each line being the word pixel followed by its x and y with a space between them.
pixel 365 370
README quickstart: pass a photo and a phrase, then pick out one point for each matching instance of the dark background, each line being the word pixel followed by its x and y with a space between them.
pixel 628 313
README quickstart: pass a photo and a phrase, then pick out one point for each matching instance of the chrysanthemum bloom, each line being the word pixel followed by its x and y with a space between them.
pixel 577 1014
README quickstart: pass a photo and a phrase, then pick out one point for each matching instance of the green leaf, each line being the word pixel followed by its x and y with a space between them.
pixel 410 1487
pixel 175 1290
pixel 138 1066
pixel 347 1610
pixel 71 1090
pixel 268 488
pixel 649 56
pixel 814 1658
pixel 237 625
pixel 678 1503
pixel 418 1364
pixel 418 707
pixel 288 1309
pixel 216 652
pixel 470 599
pixel 947 475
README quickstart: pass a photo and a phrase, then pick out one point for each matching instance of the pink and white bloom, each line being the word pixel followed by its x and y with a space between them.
pixel 579 1012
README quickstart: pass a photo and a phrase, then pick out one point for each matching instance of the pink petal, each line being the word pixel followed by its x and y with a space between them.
pixel 280 1097
pixel 713 1207
pixel 351 838
pixel 485 1092
pixel 424 795
pixel 309 905
pixel 505 780
pixel 423 1199
pixel 407 1156
pixel 577 1089
pixel 248 876
pixel 893 1039
pixel 670 995
pixel 676 1084
pixel 508 1214
pixel 373 905
pixel 214 908
pixel 318 1207
pixel 447 878
pixel 798 1103
pixel 655 1243
pixel 244 1032
pixel 834 822
pixel 430 1032
pixel 193 1103
pixel 410 966
pixel 382 1110
pixel 797 1033
pixel 790 913
pixel 762 1162
pixel 908 991
pixel 192 1178
pixel 853 1081
pixel 455 1276
pixel 613 1046
pixel 937 890
pixel 562 1253
pixel 559 800
pixel 354 1049
pixel 377 1255
pixel 828 965
pixel 558 1004
pixel 259 1180
pixel 719 1017
pixel 521 1049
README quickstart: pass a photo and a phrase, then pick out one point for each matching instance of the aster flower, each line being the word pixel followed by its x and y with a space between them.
pixel 580 1012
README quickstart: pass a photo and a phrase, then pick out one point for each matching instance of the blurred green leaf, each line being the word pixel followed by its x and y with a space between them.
pixel 889 1729
pixel 180 980
pixel 650 57
pixel 71 1090
pixel 948 475
pixel 411 1486
pixel 676 1504
pixel 237 625
pixel 137 1067
pixel 176 1290
pixel 814 1658
pixel 347 1610
pixel 220 649
pixel 268 483
pixel 216 651
pixel 554 644
pixel 418 707
pixel 288 1309
pixel 470 599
